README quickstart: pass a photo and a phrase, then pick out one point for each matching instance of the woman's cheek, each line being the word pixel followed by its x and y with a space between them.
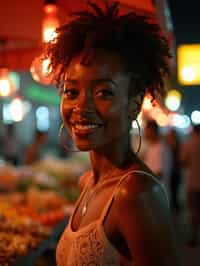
pixel 66 114
pixel 106 109
pixel 113 111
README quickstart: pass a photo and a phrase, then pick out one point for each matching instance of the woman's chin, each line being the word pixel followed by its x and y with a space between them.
pixel 84 147
pixel 87 146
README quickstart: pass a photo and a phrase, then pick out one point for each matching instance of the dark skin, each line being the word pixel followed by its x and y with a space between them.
pixel 97 110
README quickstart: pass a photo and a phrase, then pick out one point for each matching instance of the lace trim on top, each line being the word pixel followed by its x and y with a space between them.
pixel 91 247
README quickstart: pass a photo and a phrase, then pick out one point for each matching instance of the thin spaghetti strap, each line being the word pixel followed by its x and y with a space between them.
pixel 109 203
pixel 157 181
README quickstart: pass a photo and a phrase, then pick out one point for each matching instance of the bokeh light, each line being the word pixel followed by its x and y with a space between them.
pixel 195 117
pixel 173 100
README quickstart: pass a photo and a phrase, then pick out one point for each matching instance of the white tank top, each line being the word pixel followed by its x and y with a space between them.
pixel 89 246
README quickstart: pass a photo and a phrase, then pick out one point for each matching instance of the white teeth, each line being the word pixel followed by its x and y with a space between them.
pixel 85 126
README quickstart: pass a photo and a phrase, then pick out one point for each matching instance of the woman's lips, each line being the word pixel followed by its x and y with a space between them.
pixel 85 129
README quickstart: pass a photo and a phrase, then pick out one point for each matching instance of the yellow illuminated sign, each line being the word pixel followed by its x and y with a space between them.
pixel 189 64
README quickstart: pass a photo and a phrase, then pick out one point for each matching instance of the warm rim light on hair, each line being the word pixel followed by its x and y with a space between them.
pixel 101 26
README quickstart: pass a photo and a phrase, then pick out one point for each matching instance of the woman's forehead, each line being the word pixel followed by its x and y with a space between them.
pixel 102 65
pixel 98 58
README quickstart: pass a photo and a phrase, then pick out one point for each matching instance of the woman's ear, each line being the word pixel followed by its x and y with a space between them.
pixel 136 96
pixel 135 103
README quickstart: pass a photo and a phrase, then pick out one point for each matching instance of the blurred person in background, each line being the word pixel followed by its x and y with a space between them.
pixel 10 145
pixel 190 158
pixel 157 155
pixel 35 150
pixel 175 175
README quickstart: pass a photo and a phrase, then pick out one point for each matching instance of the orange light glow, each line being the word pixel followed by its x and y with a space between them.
pixel 189 64
pixel 50 23
pixel 40 70
pixel 162 120
pixel 147 103
pixel 7 87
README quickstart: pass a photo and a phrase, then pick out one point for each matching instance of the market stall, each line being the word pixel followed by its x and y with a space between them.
pixel 35 204
pixel 28 228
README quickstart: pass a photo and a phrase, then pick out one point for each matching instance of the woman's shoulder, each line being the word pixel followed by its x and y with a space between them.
pixel 140 195
pixel 139 183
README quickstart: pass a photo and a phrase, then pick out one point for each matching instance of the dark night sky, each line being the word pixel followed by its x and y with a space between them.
pixel 186 20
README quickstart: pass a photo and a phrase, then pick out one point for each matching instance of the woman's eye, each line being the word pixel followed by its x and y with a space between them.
pixel 105 93
pixel 70 93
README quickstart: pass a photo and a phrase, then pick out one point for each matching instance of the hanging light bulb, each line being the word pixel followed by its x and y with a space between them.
pixel 7 86
pixel 41 70
pixel 50 21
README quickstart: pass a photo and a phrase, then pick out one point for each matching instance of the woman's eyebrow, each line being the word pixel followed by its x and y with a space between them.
pixel 72 81
pixel 101 80
pixel 94 81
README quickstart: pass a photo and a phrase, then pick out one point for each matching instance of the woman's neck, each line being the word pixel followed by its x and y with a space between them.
pixel 112 158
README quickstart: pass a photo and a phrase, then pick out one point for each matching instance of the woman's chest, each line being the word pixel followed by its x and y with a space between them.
pixel 93 206
pixel 97 226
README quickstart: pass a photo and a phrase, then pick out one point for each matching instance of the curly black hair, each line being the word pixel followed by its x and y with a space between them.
pixel 129 35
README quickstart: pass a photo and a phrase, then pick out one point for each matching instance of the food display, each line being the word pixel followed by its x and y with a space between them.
pixel 27 219
pixel 17 239
pixel 34 202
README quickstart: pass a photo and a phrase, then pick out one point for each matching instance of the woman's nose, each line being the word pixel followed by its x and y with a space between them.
pixel 86 104
pixel 83 111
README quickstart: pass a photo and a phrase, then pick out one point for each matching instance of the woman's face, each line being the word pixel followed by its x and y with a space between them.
pixel 94 101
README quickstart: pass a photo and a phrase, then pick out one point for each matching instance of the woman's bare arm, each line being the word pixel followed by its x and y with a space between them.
pixel 146 225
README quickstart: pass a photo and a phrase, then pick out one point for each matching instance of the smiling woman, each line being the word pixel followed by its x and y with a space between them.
pixel 104 63
pixel 94 101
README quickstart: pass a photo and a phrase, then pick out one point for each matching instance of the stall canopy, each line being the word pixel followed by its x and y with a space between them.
pixel 20 31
